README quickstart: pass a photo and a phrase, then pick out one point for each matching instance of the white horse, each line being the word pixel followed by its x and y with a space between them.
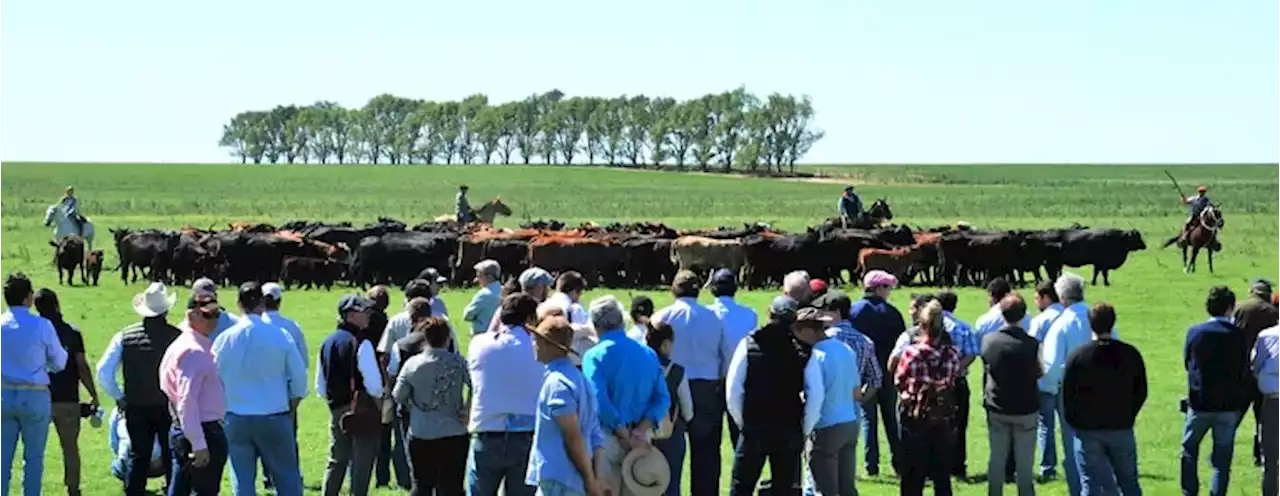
pixel 64 225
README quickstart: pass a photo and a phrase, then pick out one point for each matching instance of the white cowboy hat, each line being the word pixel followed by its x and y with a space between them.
pixel 645 472
pixel 154 301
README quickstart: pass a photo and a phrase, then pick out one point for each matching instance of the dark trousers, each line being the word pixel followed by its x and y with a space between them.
pixel 188 479
pixel 884 407
pixel 439 465
pixel 781 447
pixel 705 432
pixel 734 431
pixel 959 454
pixel 392 455
pixel 146 425
pixel 926 454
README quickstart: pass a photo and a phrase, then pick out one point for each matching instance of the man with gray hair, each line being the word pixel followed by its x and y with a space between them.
pixel 1069 331
pixel 631 391
pixel 480 311
pixel 226 319
pixel 796 285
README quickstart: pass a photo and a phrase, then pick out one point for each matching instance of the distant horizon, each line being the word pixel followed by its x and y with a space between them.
pixel 688 168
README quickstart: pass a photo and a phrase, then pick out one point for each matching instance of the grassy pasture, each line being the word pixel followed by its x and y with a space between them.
pixel 1155 300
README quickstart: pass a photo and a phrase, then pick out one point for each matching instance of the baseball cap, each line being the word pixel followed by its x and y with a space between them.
pixel 784 308
pixel 534 276
pixel 834 301
pixel 204 284
pixel 818 286
pixel 354 303
pixel 810 315
pixel 203 300
pixel 273 291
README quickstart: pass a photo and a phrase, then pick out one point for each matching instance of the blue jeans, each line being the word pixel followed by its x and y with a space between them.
pixel 496 457
pixel 673 448
pixel 886 399
pixel 1223 425
pixel 271 438
pixel 1108 462
pixel 1070 462
pixel 1047 444
pixel 26 415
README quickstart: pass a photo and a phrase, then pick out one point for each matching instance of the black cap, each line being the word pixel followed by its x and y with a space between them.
pixel 201 299
pixel 642 305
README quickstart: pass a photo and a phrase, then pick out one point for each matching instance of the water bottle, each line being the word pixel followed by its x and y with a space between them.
pixel 95 420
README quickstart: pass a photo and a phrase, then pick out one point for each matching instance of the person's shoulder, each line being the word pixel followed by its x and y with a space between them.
pixel 1271 332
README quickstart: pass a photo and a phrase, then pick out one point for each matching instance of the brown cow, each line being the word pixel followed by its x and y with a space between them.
pixel 702 255
pixel 902 262
pixel 69 254
pixel 93 265
pixel 927 243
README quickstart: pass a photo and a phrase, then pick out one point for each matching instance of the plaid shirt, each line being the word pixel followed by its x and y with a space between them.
pixel 916 373
pixel 868 367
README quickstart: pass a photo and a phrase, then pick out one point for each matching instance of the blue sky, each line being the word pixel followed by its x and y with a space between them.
pixel 892 80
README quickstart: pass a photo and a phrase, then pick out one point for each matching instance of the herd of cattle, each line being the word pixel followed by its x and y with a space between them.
pixel 316 254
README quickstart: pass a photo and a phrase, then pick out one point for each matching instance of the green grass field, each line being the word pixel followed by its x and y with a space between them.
pixel 1155 300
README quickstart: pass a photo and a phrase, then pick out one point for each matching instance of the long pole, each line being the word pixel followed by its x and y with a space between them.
pixel 1175 185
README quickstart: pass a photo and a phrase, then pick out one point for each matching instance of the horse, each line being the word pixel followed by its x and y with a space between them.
pixel 485 214
pixel 66 226
pixel 1202 234
pixel 870 219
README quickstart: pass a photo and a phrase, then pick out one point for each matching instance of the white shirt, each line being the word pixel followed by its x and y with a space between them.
pixel 1067 333
pixel 294 330
pixel 366 363
pixel 1040 323
pixel 736 392
pixel 506 378
pixel 572 310
pixel 399 326
pixel 738 321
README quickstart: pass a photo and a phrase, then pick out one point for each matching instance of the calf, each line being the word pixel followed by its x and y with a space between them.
pixel 309 272
pixel 93 265
pixel 69 254
pixel 902 262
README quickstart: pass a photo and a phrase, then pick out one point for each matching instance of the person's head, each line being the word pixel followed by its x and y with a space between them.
pixel 1201 190
pixel 948 299
pixel 353 311
pixel 418 288
pixel 606 314
pixel 536 283
pixel 1261 289
pixel 381 296
pixel 796 285
pixel 17 290
pixel 487 272
pixel 810 325
pixel 518 309
pixel 433 277
pixel 250 299
pixel 817 287
pixel 1070 288
pixel 419 309
pixel 203 312
pixel 1045 295
pixel 918 302
pixel 685 284
pixel 204 284
pixel 463 188
pixel 879 283
pixel 641 309
pixel 723 283
pixel 552 339
pixel 1221 301
pixel 436 330
pixel 838 303
pixel 572 284
pixel 70 191
pixel 510 287
pixel 1013 308
pixel 1102 318
pixel 46 303
pixel 782 310
pixel 661 337
pixel 996 289
pixel 273 295
pixel 931 320
pixel 848 190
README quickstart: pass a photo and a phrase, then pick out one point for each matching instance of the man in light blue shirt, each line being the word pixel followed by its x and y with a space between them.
pixel 479 311
pixel 568 440
pixel 29 351
pixel 1266 365
pixel 833 445
pixel 1066 333
pixel 1046 444
pixel 630 390
pixel 274 296
pixel 700 349
pixel 969 343
pixel 264 378
pixel 738 321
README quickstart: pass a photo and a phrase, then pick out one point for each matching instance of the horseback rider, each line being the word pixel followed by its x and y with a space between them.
pixel 71 205
pixel 850 206
pixel 1195 205
pixel 462 208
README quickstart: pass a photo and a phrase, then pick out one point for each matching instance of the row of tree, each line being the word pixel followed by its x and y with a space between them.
pixel 720 131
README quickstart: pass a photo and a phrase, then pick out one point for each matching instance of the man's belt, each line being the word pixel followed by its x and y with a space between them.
pixel 25 387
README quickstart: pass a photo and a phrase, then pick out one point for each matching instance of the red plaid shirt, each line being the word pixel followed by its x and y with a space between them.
pixel 923 369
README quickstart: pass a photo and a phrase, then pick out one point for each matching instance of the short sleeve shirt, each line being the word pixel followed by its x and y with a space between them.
pixel 64 385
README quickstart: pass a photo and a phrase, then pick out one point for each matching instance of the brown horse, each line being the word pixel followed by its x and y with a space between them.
pixel 485 214
pixel 1203 234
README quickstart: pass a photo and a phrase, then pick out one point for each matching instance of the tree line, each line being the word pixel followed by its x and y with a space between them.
pixel 724 131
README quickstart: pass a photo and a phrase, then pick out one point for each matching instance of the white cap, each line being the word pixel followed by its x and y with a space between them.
pixel 272 290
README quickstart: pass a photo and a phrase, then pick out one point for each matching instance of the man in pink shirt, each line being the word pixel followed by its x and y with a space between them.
pixel 197 402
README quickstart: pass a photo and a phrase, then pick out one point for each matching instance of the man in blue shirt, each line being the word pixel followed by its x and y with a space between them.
pixel 1265 363
pixel 850 207
pixel 738 321
pixel 265 379
pixel 631 393
pixel 30 351
pixel 568 448
pixel 833 445
pixel 879 320
pixel 479 311
pixel 1219 390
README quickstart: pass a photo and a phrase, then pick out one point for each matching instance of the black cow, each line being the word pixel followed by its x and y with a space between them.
pixel 309 272
pixel 69 254
pixel 142 251
pixel 1104 249
pixel 398 257
pixel 647 262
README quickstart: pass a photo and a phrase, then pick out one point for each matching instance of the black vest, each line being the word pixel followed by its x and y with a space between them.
pixel 142 347
pixel 338 363
pixel 775 380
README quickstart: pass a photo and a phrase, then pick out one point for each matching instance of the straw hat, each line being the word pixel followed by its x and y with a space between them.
pixel 645 472
pixel 156 300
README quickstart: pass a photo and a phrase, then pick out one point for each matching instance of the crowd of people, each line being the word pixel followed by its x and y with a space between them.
pixel 557 396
